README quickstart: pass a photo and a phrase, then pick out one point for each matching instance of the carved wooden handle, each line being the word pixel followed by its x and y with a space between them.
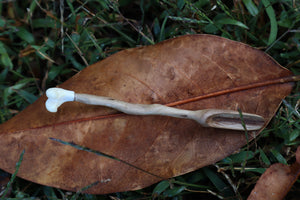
pixel 216 118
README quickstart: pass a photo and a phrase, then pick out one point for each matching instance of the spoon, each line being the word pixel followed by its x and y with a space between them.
pixel 216 118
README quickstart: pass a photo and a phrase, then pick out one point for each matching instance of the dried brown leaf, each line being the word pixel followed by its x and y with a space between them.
pixel 190 72
pixel 276 181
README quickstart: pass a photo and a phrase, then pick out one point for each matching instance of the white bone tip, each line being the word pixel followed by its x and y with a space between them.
pixel 58 96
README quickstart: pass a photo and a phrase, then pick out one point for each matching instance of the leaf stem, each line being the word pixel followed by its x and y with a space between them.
pixel 282 80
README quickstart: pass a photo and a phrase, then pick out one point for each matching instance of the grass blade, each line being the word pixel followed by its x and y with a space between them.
pixel 274 27
pixel 102 154
pixel 5 60
pixel 218 182
pixel 264 157
pixel 278 156
pixel 25 35
pixel 231 22
pixel 76 195
pixel 251 7
pixel 159 188
pixel 9 184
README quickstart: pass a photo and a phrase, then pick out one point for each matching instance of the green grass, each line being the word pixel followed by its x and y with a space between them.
pixel 43 43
